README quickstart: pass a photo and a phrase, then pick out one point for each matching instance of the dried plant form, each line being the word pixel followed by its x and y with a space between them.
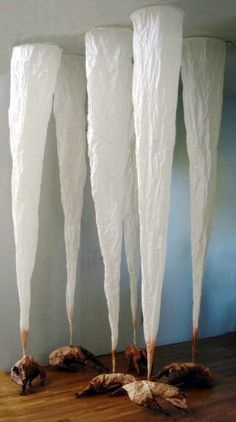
pixel 147 394
pixel 25 371
pixel 70 357
pixel 189 373
pixel 106 383
pixel 136 358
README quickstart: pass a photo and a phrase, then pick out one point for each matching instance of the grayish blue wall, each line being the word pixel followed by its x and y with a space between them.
pixel 218 311
pixel 48 313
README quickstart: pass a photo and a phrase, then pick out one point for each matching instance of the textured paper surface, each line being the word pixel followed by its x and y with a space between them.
pixel 147 393
pixel 203 75
pixel 131 229
pixel 109 82
pixel 69 112
pixel 33 77
pixel 157 57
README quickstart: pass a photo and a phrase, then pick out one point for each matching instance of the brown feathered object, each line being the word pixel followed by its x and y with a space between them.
pixel 69 357
pixel 25 371
pixel 106 383
pixel 148 394
pixel 136 358
pixel 189 373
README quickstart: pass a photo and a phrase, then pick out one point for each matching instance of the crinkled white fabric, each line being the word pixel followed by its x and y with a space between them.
pixel 70 118
pixel 157 56
pixel 33 78
pixel 131 229
pixel 109 82
pixel 202 74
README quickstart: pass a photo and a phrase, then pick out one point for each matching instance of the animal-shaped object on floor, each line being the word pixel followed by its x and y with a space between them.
pixel 70 357
pixel 148 394
pixel 106 383
pixel 189 373
pixel 136 358
pixel 25 371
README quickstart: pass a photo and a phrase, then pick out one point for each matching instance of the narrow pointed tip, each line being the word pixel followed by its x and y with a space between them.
pixel 150 356
pixel 114 361
pixel 70 314
pixel 24 339
pixel 194 344
pixel 134 332
pixel 71 334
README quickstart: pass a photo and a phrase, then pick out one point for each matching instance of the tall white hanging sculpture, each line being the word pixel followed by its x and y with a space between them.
pixel 131 230
pixel 203 75
pixel 157 57
pixel 109 81
pixel 33 78
pixel 69 112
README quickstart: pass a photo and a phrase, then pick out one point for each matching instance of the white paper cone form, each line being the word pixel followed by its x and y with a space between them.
pixel 33 77
pixel 109 82
pixel 70 118
pixel 131 230
pixel 203 75
pixel 157 47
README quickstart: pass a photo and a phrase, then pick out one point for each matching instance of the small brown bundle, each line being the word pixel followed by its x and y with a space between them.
pixel 69 357
pixel 189 373
pixel 136 358
pixel 25 370
pixel 106 383
pixel 147 393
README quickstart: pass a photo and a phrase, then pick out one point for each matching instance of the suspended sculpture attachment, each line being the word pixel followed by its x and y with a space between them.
pixel 109 80
pixel 69 112
pixel 33 78
pixel 203 75
pixel 157 44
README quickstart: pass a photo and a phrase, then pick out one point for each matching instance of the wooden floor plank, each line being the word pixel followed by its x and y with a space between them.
pixel 56 402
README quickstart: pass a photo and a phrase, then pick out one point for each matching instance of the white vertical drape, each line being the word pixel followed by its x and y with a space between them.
pixel 157 47
pixel 202 74
pixel 33 78
pixel 131 229
pixel 109 80
pixel 70 118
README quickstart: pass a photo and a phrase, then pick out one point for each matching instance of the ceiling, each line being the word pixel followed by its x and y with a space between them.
pixel 65 21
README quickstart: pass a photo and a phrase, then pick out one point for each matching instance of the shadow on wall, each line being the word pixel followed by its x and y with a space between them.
pixel 219 298
pixel 9 306
pixel 219 287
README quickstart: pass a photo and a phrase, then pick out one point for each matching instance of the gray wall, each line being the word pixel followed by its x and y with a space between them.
pixel 48 314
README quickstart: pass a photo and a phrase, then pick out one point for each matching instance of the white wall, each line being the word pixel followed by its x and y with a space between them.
pixel 48 314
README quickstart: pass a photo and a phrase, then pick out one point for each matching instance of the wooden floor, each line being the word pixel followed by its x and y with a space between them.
pixel 55 402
